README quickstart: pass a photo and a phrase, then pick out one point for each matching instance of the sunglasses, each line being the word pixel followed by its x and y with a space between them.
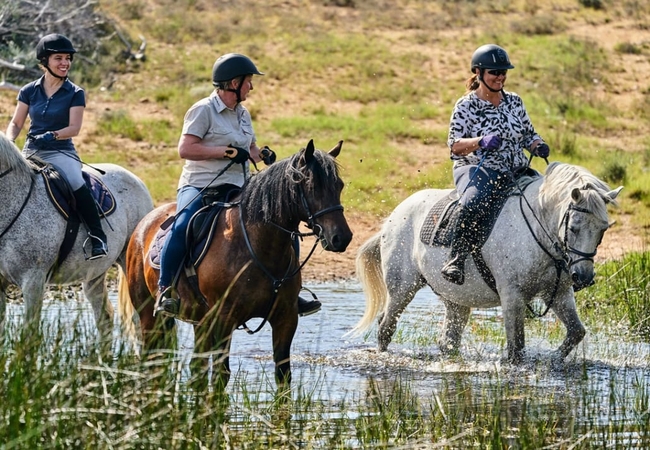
pixel 496 73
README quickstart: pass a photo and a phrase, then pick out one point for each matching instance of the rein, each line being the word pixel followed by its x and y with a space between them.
pixel 277 283
pixel 22 207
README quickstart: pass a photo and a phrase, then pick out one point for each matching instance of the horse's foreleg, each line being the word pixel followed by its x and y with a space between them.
pixel 33 292
pixel 565 309
pixel 456 318
pixel 283 334
pixel 513 318
pixel 97 294
pixel 3 305
pixel 211 344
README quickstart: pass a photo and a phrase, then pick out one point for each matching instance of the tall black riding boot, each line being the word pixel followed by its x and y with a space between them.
pixel 454 269
pixel 87 209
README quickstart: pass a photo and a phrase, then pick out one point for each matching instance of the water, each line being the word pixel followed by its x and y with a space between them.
pixel 606 379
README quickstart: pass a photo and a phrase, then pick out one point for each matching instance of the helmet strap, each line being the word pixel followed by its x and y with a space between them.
pixel 44 63
pixel 238 90
pixel 480 78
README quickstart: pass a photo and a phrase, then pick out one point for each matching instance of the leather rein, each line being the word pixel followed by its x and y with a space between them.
pixel 22 207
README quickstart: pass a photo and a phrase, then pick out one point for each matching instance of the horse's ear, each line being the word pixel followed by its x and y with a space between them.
pixel 309 150
pixel 610 197
pixel 576 195
pixel 336 150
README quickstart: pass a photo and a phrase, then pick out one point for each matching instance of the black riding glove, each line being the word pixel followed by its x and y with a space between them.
pixel 542 150
pixel 237 154
pixel 268 155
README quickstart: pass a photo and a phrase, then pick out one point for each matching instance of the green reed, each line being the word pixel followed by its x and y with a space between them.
pixel 622 292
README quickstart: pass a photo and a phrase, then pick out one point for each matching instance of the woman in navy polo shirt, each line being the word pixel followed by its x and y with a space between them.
pixel 55 107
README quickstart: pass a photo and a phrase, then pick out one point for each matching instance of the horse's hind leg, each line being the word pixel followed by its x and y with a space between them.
pixel 456 317
pixel 97 294
pixel 400 294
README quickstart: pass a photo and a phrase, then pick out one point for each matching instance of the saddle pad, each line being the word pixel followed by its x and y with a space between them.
pixel 440 223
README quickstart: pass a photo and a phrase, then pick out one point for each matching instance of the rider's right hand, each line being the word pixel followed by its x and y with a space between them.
pixel 490 142
pixel 237 154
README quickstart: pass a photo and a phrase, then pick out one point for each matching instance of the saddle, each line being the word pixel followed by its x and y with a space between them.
pixel 200 229
pixel 441 221
pixel 61 196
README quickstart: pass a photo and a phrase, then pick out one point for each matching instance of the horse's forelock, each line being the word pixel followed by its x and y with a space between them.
pixel 272 193
pixel 560 179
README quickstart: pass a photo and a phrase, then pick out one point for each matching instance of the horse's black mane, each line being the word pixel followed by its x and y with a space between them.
pixel 273 194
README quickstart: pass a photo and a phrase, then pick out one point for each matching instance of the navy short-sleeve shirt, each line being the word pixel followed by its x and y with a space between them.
pixel 53 113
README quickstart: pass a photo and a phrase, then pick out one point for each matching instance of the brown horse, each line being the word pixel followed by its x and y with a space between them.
pixel 250 269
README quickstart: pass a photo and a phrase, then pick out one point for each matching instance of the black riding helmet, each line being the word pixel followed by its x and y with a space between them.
pixel 230 66
pixel 491 56
pixel 51 44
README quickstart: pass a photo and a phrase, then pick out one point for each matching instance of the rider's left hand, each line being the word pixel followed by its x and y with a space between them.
pixel 268 155
pixel 542 150
pixel 45 137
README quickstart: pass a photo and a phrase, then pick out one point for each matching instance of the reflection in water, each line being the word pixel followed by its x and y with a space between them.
pixel 609 376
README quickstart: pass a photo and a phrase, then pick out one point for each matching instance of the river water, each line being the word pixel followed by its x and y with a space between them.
pixel 334 367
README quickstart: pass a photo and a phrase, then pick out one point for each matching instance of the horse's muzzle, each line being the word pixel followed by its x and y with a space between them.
pixel 582 280
pixel 337 240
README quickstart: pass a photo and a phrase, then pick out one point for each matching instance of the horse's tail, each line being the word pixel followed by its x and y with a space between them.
pixel 369 273
pixel 125 309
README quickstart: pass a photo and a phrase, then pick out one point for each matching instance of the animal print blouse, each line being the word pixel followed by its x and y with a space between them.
pixel 473 117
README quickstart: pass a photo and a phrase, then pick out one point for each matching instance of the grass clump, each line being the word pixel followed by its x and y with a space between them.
pixel 623 292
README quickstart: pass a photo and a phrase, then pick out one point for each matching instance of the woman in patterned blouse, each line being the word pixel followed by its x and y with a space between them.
pixel 488 132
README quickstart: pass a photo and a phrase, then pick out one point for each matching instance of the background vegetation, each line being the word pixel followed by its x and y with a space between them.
pixel 381 75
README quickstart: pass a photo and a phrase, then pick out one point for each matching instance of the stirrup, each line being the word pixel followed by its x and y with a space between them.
pixel 166 303
pixel 98 248
pixel 453 272
pixel 308 307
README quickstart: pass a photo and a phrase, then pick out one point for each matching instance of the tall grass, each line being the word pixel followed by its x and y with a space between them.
pixel 622 293
pixel 57 398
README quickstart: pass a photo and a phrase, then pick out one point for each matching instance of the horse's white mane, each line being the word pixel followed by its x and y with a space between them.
pixel 11 158
pixel 561 178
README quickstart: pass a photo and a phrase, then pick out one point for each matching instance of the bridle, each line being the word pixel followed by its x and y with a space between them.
pixel 568 249
pixel 316 231
pixel 565 261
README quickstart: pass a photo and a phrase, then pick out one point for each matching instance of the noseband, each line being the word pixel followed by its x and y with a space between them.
pixel 311 224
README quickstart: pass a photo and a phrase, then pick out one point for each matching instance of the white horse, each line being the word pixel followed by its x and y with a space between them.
pixel 541 247
pixel 32 231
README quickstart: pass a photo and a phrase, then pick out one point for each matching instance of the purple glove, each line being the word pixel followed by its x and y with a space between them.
pixel 490 142
pixel 542 150
pixel 44 138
